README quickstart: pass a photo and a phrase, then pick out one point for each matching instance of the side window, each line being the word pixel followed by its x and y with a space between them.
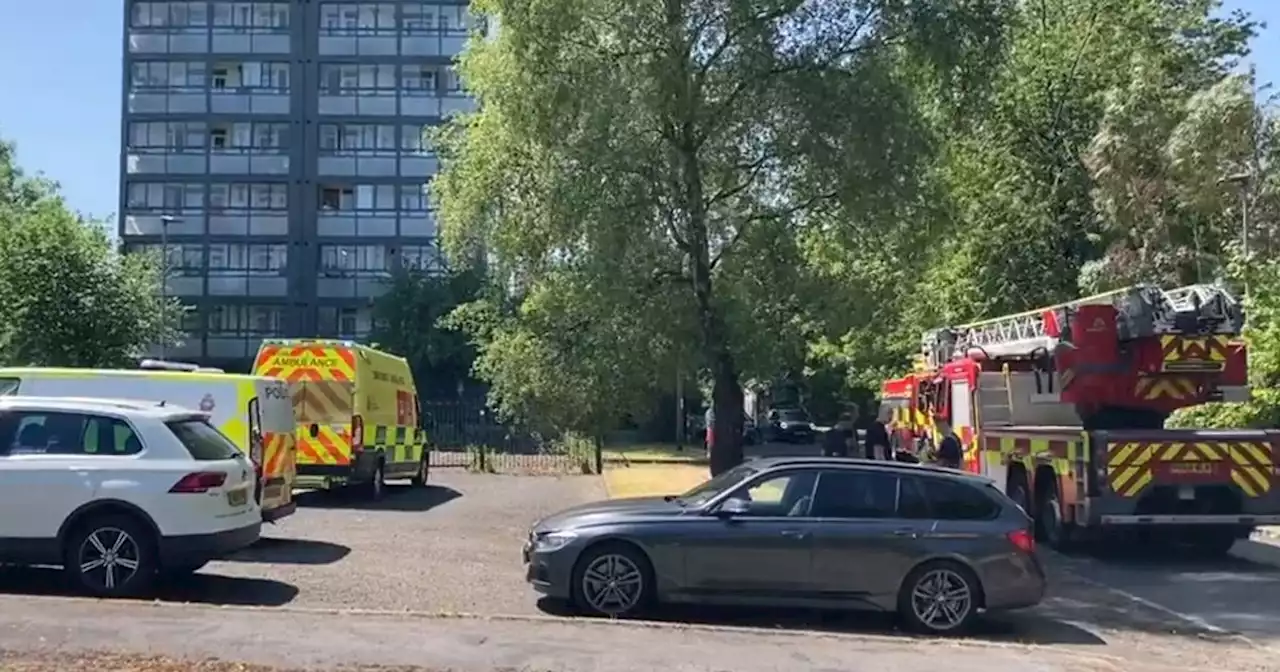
pixel 847 493
pixel 35 433
pixel 955 500
pixel 912 502
pixel 787 494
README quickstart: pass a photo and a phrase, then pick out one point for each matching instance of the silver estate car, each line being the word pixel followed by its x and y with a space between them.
pixel 935 545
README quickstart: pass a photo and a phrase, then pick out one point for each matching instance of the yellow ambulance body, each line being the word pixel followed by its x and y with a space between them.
pixel 357 413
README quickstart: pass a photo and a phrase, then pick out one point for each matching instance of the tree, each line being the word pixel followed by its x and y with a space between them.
pixel 673 159
pixel 407 321
pixel 67 297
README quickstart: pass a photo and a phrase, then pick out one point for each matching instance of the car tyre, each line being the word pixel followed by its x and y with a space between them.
pixel 419 479
pixel 614 580
pixel 111 556
pixel 941 597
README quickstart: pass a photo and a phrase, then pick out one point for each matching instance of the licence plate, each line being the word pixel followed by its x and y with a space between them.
pixel 237 497
pixel 1186 492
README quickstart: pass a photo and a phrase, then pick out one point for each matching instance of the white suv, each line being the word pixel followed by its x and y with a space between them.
pixel 118 492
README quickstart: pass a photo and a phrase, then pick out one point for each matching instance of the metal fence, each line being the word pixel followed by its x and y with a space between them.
pixel 466 434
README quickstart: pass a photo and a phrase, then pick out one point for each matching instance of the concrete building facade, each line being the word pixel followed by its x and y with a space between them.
pixel 276 150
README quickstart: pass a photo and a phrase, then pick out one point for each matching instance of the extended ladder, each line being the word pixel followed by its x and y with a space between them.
pixel 1142 311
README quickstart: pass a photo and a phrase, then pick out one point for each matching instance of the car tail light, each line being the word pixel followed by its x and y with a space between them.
pixel 357 434
pixel 1023 540
pixel 200 481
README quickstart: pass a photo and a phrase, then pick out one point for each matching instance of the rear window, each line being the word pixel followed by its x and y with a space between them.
pixel 203 441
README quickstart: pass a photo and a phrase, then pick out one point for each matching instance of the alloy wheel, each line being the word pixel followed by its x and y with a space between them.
pixel 941 600
pixel 612 584
pixel 108 558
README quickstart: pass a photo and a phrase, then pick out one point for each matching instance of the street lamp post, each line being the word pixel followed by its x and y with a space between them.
pixel 165 221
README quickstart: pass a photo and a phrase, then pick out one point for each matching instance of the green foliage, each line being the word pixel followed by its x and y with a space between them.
pixel 67 298
pixel 408 321
pixel 650 177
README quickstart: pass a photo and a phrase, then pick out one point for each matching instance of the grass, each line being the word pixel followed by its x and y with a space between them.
pixel 655 452
pixel 652 480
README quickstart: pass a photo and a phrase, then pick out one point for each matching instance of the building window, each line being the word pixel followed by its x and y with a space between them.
pixel 255 76
pixel 351 79
pixel 164 197
pixel 239 196
pixel 238 259
pixel 182 259
pixel 348 198
pixel 345 322
pixel 245 136
pixel 353 260
pixel 169 136
pixel 363 138
pixel 167 75
pixel 366 18
pixel 413 197
pixel 452 81
pixel 415 140
pixel 169 15
pixel 425 258
pixel 251 16
pixel 421 80
pixel 246 320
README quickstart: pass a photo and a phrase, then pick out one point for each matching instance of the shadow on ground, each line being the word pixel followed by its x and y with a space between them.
pixel 275 550
pixel 396 498
pixel 1025 627
pixel 198 588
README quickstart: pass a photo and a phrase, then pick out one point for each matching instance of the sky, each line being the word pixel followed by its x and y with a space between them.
pixel 61 82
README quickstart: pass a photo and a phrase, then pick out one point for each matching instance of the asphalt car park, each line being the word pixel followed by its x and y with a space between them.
pixel 455 547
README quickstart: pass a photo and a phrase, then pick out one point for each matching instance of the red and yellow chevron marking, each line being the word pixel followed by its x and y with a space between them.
pixel 1202 353
pixel 1161 387
pixel 1131 466
pixel 1028 450
pixel 275 452
pixel 330 446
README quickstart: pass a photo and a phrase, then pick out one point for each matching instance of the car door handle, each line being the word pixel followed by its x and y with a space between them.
pixel 795 534
pixel 906 533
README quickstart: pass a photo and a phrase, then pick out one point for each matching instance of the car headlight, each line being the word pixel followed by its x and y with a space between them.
pixel 549 542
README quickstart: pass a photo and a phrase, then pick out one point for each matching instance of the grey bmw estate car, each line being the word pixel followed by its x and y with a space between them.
pixel 935 545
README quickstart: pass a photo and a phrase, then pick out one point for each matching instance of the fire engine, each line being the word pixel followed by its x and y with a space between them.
pixel 1064 409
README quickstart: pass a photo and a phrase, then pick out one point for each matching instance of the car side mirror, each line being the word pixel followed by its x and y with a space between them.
pixel 733 507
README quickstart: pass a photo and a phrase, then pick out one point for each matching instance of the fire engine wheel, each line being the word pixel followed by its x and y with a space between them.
pixel 1049 522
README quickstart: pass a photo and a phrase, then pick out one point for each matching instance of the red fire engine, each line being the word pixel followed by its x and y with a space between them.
pixel 1064 408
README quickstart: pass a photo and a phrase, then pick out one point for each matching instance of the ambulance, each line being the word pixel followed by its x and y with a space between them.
pixel 253 411
pixel 358 413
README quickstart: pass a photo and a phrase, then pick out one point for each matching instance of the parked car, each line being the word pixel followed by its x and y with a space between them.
pixel 934 545
pixel 119 492
pixel 790 425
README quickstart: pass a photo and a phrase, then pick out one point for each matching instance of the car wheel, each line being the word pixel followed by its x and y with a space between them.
pixel 111 556
pixel 939 598
pixel 424 470
pixel 376 487
pixel 613 580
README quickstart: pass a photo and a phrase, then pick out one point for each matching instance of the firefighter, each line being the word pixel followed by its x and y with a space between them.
pixel 877 441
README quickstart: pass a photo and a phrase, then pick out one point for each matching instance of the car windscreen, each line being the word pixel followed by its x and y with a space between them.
pixel 725 481
pixel 202 440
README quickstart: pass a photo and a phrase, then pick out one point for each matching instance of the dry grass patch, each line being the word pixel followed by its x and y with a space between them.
pixel 652 480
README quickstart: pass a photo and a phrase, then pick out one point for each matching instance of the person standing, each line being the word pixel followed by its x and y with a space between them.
pixel 877 441
pixel 835 443
pixel 950 451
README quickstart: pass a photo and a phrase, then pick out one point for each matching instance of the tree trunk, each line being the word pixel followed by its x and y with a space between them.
pixel 726 398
